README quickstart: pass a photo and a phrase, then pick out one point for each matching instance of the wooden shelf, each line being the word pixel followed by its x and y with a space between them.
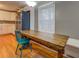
pixel 7 21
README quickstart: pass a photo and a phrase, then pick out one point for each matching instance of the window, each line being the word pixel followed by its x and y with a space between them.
pixel 46 18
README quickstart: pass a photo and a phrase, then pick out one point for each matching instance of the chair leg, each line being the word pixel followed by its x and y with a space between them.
pixel 31 47
pixel 16 49
pixel 21 53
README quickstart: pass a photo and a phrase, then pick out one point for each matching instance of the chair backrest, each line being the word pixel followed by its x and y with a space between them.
pixel 18 35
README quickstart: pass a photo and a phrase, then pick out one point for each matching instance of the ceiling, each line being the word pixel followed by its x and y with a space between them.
pixel 12 5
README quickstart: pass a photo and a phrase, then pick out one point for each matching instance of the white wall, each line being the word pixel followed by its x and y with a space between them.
pixel 67 18
pixel 67 23
pixel 32 17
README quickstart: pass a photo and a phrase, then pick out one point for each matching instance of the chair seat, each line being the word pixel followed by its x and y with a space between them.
pixel 23 41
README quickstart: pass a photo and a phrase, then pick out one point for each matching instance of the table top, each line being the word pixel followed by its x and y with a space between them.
pixel 52 40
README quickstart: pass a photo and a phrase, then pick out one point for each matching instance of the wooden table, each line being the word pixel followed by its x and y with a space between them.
pixel 54 41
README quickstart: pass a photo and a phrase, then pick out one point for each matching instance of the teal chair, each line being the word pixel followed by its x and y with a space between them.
pixel 23 41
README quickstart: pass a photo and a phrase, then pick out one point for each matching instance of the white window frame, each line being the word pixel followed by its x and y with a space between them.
pixel 44 5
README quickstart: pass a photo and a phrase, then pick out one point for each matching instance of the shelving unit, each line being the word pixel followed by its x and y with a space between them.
pixel 8 21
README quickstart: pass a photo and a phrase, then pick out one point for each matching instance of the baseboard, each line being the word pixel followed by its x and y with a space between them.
pixel 68 56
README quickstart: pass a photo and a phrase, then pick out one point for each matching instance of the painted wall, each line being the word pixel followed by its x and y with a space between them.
pixel 67 18
pixel 67 23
